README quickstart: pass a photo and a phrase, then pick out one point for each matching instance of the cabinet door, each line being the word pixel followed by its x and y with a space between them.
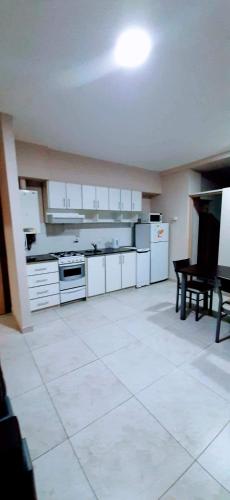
pixel 136 201
pixel 56 194
pixel 95 275
pixel 126 204
pixel 128 269
pixel 102 198
pixel 113 272
pixel 114 199
pixel 73 196
pixel 89 197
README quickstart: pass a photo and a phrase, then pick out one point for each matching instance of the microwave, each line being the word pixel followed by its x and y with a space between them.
pixel 155 217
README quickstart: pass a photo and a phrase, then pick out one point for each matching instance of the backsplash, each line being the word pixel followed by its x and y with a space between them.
pixel 60 237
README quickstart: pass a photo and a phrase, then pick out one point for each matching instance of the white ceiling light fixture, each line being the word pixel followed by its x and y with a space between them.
pixel 132 48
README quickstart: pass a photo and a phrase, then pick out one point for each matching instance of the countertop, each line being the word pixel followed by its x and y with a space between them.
pixel 33 259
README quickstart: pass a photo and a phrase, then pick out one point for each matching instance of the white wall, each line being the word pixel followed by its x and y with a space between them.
pixel 61 237
pixel 224 244
pixel 175 202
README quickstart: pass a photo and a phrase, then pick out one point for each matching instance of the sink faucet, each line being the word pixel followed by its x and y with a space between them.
pixel 94 245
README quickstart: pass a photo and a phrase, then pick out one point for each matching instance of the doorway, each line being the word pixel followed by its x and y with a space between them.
pixel 209 212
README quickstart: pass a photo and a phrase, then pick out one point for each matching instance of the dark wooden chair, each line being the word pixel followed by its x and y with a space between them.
pixel 200 289
pixel 222 285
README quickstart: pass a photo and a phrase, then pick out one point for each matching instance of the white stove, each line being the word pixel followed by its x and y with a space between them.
pixel 71 275
pixel 69 257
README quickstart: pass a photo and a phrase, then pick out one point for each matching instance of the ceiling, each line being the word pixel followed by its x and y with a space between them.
pixel 59 81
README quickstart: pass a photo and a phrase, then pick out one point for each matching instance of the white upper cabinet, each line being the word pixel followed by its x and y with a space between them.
pixel 114 199
pixel 136 201
pixel 73 196
pixel 126 200
pixel 113 272
pixel 89 197
pixel 102 198
pixel 95 276
pixel 128 272
pixel 56 194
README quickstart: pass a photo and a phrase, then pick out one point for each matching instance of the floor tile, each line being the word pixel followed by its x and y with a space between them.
pixel 212 368
pixel 21 374
pixel 39 422
pixel 128 455
pixel 44 316
pixel 137 325
pixel 113 310
pixel 84 323
pixel 80 307
pixel 196 484
pixel 138 366
pixel 106 339
pixel 172 345
pixel 58 476
pixel 85 395
pixel 53 331
pixel 12 344
pixel 57 359
pixel 216 458
pixel 187 409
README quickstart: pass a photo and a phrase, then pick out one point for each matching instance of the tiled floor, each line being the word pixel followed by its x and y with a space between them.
pixel 120 400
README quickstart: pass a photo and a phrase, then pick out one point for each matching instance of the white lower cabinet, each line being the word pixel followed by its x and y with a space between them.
pixel 113 272
pixel 128 269
pixel 95 275
pixel 43 283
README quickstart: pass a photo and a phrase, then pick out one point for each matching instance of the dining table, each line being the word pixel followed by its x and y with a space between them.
pixel 208 274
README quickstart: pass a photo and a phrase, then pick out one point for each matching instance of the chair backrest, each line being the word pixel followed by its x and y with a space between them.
pixel 179 264
pixel 222 285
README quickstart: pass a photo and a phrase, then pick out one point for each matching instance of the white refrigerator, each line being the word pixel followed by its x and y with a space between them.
pixel 155 236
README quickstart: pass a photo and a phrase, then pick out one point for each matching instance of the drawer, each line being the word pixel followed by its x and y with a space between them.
pixel 43 291
pixel 68 295
pixel 42 268
pixel 44 279
pixel 42 303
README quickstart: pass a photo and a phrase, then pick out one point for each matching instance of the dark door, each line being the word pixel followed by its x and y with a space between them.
pixel 5 303
pixel 209 232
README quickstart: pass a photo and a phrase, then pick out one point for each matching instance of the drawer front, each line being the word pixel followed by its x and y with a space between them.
pixel 72 295
pixel 42 303
pixel 43 291
pixel 42 268
pixel 44 279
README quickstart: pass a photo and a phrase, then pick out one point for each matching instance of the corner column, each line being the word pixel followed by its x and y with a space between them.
pixel 11 212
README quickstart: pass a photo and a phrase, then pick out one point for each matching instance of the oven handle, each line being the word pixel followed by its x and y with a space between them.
pixel 72 266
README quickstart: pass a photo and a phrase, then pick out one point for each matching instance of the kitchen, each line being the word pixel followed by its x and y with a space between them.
pixel 83 217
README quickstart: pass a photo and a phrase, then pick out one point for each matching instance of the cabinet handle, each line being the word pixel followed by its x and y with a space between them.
pixel 69 202
pixel 41 269
pixel 41 281
pixel 43 303
pixel 123 259
pixel 103 262
pixel 64 202
pixel 94 203
pixel 133 206
pixel 43 293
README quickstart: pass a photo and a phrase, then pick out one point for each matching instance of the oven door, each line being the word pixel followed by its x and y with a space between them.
pixel 71 275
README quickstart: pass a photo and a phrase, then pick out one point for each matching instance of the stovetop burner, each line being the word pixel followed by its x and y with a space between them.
pixel 66 254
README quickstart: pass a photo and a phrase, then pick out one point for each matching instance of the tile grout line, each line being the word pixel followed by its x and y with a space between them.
pixel 82 469
pixel 214 478
pixel 165 429
pixel 177 480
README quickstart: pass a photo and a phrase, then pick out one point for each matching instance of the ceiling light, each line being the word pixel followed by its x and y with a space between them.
pixel 132 48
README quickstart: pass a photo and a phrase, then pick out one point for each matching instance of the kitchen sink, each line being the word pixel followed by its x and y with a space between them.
pixel 92 252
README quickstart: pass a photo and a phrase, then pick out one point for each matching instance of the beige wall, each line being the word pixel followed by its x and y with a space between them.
pixel 224 244
pixel 175 202
pixel 39 162
pixel 12 225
